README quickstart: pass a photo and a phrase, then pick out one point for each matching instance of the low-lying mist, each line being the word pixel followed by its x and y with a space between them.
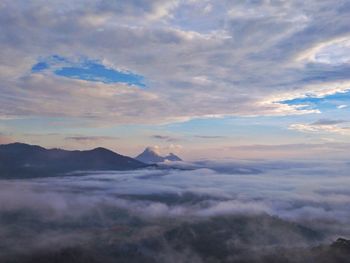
pixel 200 212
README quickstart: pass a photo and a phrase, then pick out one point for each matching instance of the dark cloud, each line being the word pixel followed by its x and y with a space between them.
pixel 90 138
pixel 328 122
pixel 209 136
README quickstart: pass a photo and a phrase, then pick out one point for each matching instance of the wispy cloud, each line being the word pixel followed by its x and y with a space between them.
pixel 343 106
pixel 322 126
pixel 209 136
pixel 327 122
pixel 90 138
pixel 165 138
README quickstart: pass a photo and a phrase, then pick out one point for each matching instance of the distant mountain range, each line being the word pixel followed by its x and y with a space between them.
pixel 19 160
pixel 151 157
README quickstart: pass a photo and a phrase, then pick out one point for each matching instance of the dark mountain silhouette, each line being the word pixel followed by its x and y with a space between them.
pixel 151 157
pixel 19 160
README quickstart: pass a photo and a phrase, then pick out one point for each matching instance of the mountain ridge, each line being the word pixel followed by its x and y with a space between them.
pixel 20 160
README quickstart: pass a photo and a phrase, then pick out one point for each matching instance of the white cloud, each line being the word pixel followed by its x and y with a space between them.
pixel 281 190
pixel 335 51
pixel 319 90
pixel 343 106
pixel 314 128
pixel 208 8
pixel 222 68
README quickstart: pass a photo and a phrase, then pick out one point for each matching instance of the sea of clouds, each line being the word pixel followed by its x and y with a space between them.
pixel 305 192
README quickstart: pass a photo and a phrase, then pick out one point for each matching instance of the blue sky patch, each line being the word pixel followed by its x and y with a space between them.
pixel 40 67
pixel 327 102
pixel 90 70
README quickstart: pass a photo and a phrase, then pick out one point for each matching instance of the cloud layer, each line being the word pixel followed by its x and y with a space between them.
pixel 296 191
pixel 226 58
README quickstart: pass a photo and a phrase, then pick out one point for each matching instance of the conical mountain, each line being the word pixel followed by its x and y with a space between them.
pixel 151 156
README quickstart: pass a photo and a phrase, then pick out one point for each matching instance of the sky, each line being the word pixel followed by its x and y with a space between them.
pixel 204 79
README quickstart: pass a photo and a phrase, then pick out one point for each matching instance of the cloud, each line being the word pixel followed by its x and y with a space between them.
pixel 309 151
pixel 218 193
pixel 165 138
pixel 209 136
pixel 216 64
pixel 322 126
pixel 320 90
pixel 154 148
pixel 327 122
pixel 264 147
pixel 175 148
pixel 165 149
pixel 168 138
pixel 132 207
pixel 90 138
pixel 334 51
